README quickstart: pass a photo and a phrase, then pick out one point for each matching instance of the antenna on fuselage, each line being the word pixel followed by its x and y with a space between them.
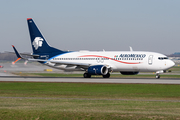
pixel 130 48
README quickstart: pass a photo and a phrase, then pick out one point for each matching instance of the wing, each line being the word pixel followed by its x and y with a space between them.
pixel 82 65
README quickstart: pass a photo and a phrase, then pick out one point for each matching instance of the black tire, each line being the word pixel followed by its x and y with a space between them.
pixel 106 76
pixel 157 76
pixel 86 75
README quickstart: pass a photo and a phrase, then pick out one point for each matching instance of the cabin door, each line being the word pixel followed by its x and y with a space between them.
pixel 150 59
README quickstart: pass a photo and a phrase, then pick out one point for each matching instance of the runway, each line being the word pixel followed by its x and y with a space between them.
pixel 5 75
pixel 89 80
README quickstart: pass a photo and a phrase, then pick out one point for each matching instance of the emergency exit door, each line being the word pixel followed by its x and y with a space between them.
pixel 150 59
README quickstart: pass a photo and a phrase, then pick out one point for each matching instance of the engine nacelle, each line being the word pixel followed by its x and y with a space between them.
pixel 98 70
pixel 129 73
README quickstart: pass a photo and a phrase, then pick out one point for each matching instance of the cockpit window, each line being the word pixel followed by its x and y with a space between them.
pixel 162 58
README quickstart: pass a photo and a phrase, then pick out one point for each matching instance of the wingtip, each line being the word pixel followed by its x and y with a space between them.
pixel 29 18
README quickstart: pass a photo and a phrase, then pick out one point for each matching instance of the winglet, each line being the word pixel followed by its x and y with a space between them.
pixel 17 54
pixel 16 61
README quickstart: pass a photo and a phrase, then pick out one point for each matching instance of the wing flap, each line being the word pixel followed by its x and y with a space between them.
pixel 83 65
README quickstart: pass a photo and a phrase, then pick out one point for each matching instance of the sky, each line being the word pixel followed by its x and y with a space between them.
pixel 112 25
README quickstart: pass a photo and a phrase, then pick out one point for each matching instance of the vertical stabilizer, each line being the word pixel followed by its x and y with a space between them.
pixel 38 42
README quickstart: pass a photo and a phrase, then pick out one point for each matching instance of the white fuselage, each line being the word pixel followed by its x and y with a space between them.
pixel 134 61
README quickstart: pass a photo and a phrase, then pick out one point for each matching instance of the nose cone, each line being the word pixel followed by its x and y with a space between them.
pixel 171 64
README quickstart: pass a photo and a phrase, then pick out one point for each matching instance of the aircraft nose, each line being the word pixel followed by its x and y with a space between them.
pixel 171 63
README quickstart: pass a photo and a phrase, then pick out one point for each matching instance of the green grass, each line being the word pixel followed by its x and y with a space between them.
pixel 86 109
pixel 24 100
pixel 82 90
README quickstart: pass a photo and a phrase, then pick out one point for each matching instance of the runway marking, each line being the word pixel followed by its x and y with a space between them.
pixel 49 98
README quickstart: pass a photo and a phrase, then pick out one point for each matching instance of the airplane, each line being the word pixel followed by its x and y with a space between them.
pixel 94 62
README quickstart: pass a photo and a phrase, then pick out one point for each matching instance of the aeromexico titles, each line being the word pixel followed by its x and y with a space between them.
pixel 93 62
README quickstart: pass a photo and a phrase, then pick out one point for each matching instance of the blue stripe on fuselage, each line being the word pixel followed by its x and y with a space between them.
pixel 59 55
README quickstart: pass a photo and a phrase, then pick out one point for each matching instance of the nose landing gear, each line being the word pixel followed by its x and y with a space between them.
pixel 157 76
pixel 159 72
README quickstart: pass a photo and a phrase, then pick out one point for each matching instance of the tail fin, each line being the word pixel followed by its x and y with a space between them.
pixel 39 44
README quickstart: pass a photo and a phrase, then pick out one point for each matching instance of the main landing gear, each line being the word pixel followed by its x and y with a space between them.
pixel 106 76
pixel 87 75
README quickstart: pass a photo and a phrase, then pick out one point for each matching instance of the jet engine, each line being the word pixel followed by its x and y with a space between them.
pixel 98 70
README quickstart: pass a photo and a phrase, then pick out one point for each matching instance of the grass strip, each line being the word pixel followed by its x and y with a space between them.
pixel 85 90
pixel 86 109
pixel 139 106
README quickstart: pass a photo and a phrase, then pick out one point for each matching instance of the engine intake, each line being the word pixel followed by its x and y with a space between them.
pixel 98 70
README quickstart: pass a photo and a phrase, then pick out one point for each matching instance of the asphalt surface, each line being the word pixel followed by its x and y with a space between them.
pixel 89 80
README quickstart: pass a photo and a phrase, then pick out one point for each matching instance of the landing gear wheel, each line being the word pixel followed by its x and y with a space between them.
pixel 157 76
pixel 86 75
pixel 106 76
